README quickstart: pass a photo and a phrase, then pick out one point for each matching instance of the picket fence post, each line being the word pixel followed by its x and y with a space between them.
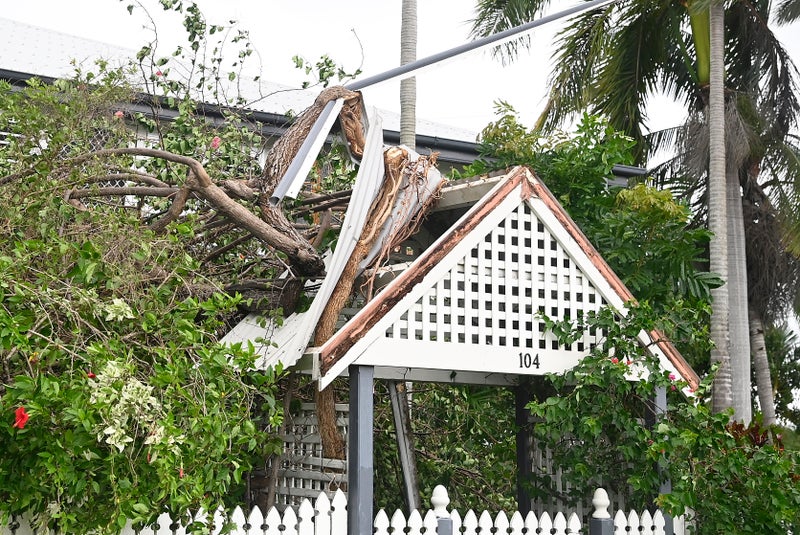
pixel 601 523
pixel 440 500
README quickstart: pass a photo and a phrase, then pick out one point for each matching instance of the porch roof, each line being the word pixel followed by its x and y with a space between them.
pixel 467 307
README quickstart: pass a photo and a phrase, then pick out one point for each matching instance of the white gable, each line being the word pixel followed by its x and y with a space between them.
pixel 477 307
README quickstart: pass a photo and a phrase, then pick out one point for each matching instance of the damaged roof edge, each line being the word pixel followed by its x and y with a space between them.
pixel 669 350
pixel 339 345
pixel 341 342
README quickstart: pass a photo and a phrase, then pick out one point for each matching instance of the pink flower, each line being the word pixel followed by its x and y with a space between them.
pixel 628 362
pixel 216 142
pixel 672 387
pixel 90 375
pixel 672 377
pixel 21 418
pixel 119 114
pixel 614 360
pixel 180 473
pixel 159 73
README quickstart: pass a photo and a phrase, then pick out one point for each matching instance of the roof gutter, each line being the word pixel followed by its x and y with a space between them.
pixel 459 152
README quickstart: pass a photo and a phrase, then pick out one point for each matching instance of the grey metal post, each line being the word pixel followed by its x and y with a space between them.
pixel 524 469
pixel 444 526
pixel 360 455
pixel 601 522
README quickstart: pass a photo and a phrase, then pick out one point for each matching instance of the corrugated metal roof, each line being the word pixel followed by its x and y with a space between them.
pixel 43 52
pixel 290 340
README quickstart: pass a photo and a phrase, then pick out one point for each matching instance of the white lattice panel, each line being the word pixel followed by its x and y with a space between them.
pixel 472 306
pixel 488 306
pixel 495 295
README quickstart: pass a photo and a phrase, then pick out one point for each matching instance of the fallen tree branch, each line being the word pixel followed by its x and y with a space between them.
pixel 284 238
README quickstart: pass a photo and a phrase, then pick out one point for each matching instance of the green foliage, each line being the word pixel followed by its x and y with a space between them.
pixel 464 438
pixel 133 405
pixel 108 330
pixel 726 478
pixel 643 233
pixel 323 71
pixel 591 416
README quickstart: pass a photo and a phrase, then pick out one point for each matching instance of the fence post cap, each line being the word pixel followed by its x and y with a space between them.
pixel 439 500
pixel 601 502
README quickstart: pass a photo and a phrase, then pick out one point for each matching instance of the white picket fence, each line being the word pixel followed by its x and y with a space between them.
pixel 329 517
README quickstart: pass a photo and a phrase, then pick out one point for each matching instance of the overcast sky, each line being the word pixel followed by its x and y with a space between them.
pixel 355 33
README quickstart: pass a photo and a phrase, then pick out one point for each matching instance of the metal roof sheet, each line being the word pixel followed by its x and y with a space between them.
pixel 289 341
pixel 43 52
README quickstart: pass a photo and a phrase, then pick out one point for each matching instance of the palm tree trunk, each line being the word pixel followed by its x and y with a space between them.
pixel 761 365
pixel 737 301
pixel 408 87
pixel 408 137
pixel 722 397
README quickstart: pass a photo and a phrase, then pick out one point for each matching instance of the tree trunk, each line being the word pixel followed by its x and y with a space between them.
pixel 737 301
pixel 408 87
pixel 722 397
pixel 761 366
pixel 333 445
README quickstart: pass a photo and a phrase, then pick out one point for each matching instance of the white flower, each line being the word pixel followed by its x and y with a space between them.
pixel 117 310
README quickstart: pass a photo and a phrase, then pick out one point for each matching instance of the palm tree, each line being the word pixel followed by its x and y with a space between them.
pixel 408 87
pixel 718 210
pixel 609 62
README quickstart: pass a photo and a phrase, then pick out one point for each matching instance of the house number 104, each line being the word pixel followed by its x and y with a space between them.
pixel 526 360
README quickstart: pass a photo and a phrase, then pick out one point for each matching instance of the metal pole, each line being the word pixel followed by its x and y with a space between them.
pixel 494 39
pixel 405 448
pixel 360 456
pixel 405 71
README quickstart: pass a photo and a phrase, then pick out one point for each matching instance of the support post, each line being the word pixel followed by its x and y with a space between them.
pixel 522 395
pixel 601 522
pixel 402 424
pixel 360 454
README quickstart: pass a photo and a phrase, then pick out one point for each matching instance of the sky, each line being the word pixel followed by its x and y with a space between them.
pixel 357 34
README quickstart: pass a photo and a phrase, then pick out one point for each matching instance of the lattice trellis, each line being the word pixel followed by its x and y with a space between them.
pixel 497 293
pixel 473 306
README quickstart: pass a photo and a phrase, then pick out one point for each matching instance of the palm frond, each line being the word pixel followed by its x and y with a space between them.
pixel 493 16
pixel 579 46
pixel 788 11
pixel 757 64
pixel 633 66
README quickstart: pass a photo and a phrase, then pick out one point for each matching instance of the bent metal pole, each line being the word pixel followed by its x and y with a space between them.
pixel 407 70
